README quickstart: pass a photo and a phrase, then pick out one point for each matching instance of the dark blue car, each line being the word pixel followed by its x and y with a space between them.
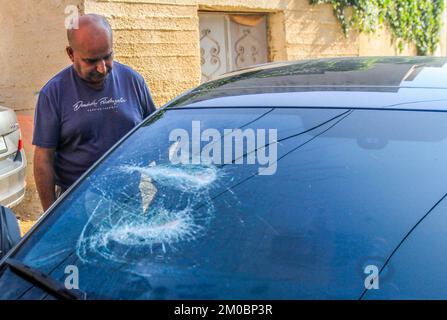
pixel 319 179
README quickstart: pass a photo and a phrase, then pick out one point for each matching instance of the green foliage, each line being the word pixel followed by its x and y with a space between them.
pixel 416 21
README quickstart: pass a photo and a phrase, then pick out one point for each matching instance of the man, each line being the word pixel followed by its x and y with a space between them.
pixel 85 109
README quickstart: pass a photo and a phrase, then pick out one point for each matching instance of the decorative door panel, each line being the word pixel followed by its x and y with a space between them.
pixel 230 42
pixel 212 45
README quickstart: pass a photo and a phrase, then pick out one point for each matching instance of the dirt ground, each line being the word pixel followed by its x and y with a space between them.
pixel 29 210
pixel 25 226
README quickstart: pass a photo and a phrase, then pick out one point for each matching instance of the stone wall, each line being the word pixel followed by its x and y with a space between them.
pixel 157 38
pixel 160 39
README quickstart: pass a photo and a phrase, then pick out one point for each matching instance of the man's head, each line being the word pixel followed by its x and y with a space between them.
pixel 90 49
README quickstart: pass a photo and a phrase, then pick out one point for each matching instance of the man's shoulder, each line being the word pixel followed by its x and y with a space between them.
pixel 126 71
pixel 57 81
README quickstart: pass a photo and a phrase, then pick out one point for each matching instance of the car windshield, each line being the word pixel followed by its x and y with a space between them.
pixel 333 191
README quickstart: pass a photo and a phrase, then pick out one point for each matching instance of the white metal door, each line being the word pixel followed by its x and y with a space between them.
pixel 230 42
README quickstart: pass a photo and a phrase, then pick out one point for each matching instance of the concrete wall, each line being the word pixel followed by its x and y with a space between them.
pixel 32 46
pixel 160 39
pixel 32 50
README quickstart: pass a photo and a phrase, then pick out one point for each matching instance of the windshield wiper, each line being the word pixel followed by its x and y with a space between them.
pixel 44 281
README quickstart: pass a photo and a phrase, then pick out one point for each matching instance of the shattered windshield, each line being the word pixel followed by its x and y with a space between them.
pixel 295 214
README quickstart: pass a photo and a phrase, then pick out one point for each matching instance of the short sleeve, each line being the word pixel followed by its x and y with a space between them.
pixel 147 102
pixel 46 123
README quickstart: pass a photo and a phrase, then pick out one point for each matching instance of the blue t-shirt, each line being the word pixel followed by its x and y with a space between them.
pixel 82 123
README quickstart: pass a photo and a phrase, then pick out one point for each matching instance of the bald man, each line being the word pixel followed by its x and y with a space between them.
pixel 85 109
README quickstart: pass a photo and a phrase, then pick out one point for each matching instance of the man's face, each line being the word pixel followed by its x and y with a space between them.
pixel 92 59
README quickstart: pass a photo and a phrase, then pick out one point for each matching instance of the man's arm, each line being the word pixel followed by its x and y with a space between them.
pixel 44 176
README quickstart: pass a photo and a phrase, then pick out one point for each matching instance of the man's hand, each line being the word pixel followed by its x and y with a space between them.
pixel 44 176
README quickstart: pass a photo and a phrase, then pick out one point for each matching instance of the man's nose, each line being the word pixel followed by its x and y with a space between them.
pixel 101 67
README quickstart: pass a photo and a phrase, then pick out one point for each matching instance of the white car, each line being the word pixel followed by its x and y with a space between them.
pixel 12 160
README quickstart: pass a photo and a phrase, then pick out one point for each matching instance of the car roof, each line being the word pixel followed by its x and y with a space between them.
pixel 357 82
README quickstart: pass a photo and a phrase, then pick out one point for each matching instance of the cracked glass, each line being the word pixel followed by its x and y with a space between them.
pixel 343 194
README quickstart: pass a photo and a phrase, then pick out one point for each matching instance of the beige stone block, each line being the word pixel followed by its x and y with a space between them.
pixel 170 2
pixel 381 43
pixel 163 61
pixel 240 5
pixel 155 36
pixel 155 23
pixel 157 49
pixel 322 14
pixel 139 10
pixel 276 37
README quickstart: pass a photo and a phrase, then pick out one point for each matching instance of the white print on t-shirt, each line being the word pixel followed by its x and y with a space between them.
pixel 105 103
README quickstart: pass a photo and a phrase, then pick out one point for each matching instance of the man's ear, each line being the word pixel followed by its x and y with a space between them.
pixel 70 53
